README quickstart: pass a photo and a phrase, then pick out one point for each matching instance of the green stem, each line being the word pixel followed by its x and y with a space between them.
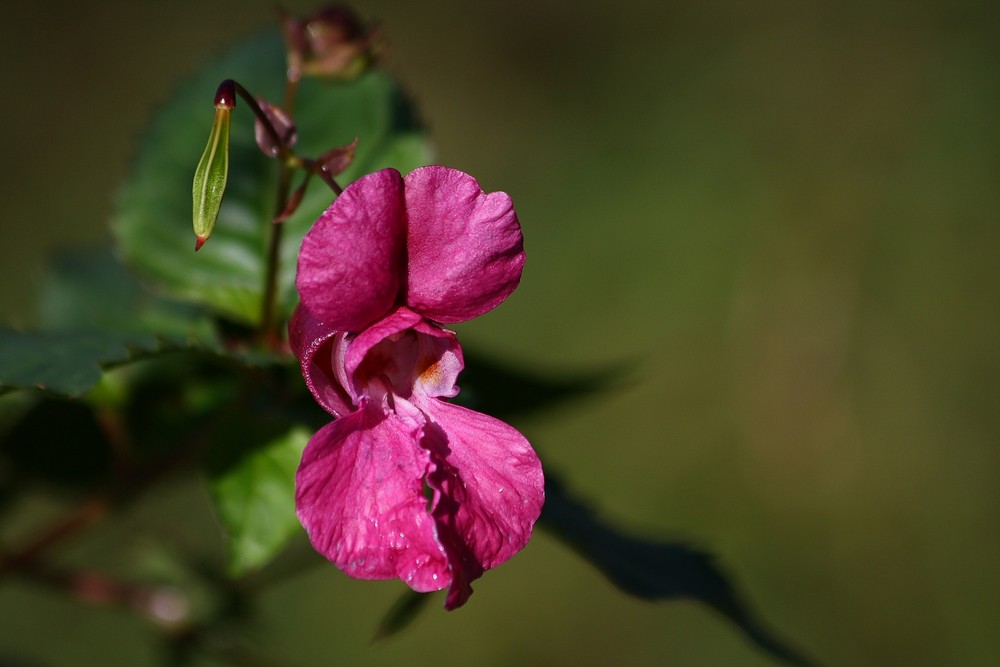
pixel 269 334
pixel 268 319
pixel 80 518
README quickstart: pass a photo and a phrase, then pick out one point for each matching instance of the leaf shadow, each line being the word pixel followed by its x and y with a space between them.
pixel 657 570
pixel 506 391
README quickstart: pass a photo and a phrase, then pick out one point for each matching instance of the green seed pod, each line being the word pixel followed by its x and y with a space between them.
pixel 213 168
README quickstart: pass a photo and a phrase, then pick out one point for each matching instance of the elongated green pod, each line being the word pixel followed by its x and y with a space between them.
pixel 213 168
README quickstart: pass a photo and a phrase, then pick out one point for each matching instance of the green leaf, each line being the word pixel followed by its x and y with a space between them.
pixel 95 316
pixel 65 363
pixel 90 290
pixel 69 363
pixel 255 499
pixel 153 219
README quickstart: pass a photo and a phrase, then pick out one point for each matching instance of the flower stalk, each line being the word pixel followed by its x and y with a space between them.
pixel 275 134
pixel 269 331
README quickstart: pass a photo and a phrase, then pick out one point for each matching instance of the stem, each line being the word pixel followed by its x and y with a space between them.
pixel 128 485
pixel 325 175
pixel 80 518
pixel 268 324
pixel 89 512
pixel 291 88
pixel 284 152
pixel 268 333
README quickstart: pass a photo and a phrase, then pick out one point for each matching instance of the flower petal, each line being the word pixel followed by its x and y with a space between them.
pixel 317 348
pixel 359 495
pixel 405 349
pixel 351 261
pixel 488 486
pixel 464 246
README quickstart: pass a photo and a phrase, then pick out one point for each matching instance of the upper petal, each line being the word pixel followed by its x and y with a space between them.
pixel 351 261
pixel 465 248
pixel 359 495
pixel 489 490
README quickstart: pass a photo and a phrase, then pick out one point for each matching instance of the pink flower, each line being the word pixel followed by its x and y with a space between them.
pixel 404 484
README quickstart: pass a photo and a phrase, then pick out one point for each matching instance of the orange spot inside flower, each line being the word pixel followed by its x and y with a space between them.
pixel 431 373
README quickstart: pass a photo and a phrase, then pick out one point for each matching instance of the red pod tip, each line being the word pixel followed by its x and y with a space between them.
pixel 225 96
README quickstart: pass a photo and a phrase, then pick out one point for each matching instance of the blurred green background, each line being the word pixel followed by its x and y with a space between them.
pixel 782 215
